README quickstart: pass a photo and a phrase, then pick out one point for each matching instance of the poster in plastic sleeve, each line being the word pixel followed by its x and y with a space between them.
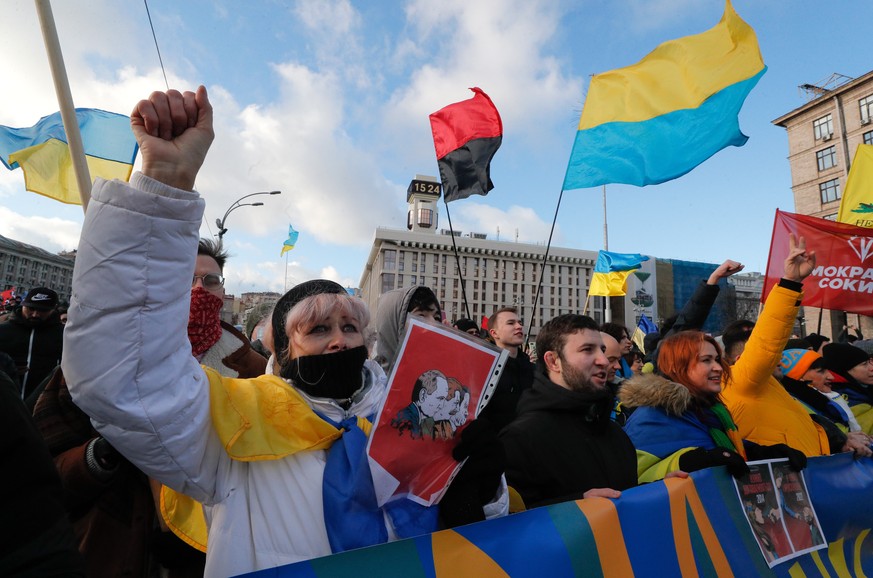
pixel 779 511
pixel 442 378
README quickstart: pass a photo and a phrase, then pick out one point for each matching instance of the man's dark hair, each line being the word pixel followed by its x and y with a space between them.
pixel 213 249
pixel 736 332
pixel 616 330
pixel 423 298
pixel 553 335
pixel 492 321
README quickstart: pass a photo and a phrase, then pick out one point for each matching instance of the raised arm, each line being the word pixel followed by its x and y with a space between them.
pixel 773 328
pixel 127 358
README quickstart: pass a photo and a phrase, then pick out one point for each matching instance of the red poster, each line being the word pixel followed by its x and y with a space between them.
pixel 440 381
pixel 843 276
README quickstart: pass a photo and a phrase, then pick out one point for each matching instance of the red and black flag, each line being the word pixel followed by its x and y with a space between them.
pixel 466 135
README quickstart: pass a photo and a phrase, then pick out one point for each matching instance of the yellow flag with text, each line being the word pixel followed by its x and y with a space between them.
pixel 856 207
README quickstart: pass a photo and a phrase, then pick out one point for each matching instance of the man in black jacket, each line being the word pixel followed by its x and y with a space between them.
pixel 563 444
pixel 34 338
pixel 507 330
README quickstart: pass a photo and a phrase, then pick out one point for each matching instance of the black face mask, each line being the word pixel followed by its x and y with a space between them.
pixel 334 375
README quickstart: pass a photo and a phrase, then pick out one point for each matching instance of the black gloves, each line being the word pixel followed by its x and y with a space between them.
pixel 796 458
pixel 699 458
pixel 479 478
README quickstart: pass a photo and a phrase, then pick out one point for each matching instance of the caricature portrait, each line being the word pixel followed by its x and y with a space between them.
pixel 453 413
pixel 429 397
pixel 439 405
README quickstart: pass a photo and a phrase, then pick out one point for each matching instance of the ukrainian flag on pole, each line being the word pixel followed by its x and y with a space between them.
pixel 658 119
pixel 611 272
pixel 290 241
pixel 43 154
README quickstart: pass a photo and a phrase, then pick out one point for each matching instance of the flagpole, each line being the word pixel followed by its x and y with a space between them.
pixel 457 259
pixel 607 310
pixel 286 271
pixel 65 99
pixel 543 266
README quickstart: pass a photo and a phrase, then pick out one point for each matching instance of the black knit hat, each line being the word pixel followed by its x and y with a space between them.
pixel 465 324
pixel 294 296
pixel 841 357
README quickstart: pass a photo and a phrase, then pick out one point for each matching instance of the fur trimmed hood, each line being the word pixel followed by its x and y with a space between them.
pixel 653 390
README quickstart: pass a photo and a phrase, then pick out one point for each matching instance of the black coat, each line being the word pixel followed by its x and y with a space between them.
pixel 35 359
pixel 563 444
pixel 517 377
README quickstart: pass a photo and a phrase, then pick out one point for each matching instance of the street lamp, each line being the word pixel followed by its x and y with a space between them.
pixel 237 204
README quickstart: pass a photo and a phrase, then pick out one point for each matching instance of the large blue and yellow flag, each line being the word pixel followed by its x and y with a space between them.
pixel 658 119
pixel 856 206
pixel 290 241
pixel 611 272
pixel 43 154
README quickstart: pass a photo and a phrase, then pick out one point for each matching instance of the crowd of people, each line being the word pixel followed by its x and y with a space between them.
pixel 168 443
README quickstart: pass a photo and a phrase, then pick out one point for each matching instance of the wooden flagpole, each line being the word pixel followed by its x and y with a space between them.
pixel 65 99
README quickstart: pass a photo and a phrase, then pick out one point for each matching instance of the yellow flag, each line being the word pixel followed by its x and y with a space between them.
pixel 856 207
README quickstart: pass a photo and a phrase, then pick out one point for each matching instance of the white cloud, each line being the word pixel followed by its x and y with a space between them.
pixel 504 51
pixel 50 233
pixel 479 218
pixel 323 17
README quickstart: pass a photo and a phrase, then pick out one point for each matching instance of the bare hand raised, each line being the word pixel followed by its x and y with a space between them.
pixel 174 131
pixel 725 270
pixel 799 263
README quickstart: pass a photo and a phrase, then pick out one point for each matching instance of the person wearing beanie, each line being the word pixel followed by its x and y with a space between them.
pixel 467 326
pixel 278 461
pixel 852 368
pixel 807 379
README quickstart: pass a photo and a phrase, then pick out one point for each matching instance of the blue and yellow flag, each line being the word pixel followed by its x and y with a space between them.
pixel 43 154
pixel 856 206
pixel 290 241
pixel 644 327
pixel 611 272
pixel 658 119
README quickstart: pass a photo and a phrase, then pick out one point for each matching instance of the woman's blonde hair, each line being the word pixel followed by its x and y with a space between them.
pixel 317 307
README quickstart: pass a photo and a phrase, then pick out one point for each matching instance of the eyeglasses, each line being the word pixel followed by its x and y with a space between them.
pixel 210 280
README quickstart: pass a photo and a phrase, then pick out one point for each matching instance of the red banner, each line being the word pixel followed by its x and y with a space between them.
pixel 843 276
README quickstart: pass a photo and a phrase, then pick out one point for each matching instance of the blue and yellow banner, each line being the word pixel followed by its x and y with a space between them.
pixel 43 154
pixel 693 527
pixel 656 120
pixel 611 272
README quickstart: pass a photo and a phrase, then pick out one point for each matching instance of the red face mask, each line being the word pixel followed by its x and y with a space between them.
pixel 204 320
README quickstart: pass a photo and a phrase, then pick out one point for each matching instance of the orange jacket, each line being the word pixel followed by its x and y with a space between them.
pixel 764 412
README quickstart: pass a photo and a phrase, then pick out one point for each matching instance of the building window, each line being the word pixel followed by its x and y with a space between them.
pixel 832 217
pixel 415 280
pixel 389 260
pixel 425 218
pixel 387 282
pixel 868 137
pixel 830 191
pixel 823 127
pixel 826 158
pixel 866 105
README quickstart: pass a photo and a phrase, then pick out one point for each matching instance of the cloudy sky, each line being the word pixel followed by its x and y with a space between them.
pixel 328 101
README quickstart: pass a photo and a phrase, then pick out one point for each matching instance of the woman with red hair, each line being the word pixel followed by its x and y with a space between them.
pixel 679 421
